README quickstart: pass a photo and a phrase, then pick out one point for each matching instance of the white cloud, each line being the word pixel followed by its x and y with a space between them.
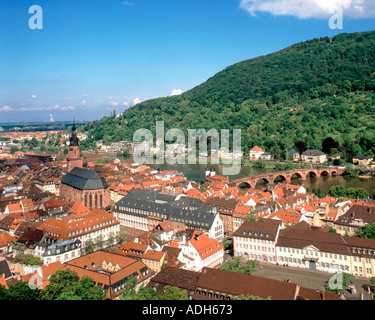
pixel 85 95
pixel 5 108
pixel 83 102
pixel 305 9
pixel 113 103
pixel 68 108
pixel 176 92
pixel 128 3
pixel 33 96
pixel 126 104
pixel 137 100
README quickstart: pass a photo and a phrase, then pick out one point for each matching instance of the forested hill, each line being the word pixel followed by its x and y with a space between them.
pixel 310 91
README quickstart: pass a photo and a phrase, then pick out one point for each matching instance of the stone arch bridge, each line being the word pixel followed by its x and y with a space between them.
pixel 286 176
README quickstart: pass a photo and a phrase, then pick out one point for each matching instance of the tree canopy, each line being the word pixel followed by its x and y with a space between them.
pixel 311 95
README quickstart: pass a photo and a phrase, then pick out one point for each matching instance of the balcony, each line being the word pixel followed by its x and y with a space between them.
pixel 310 258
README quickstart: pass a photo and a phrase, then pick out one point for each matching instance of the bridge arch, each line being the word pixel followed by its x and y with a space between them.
pixel 296 175
pixel 312 174
pixel 282 176
pixel 324 173
pixel 244 185
pixel 259 180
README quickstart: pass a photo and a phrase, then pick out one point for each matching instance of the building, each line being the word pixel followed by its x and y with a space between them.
pixel 266 156
pixel 356 217
pixel 154 259
pixel 98 224
pixel 316 249
pixel 83 185
pixel 215 284
pixel 74 159
pixel 226 209
pixel 110 271
pixel 201 251
pixel 172 276
pixel 255 240
pixel 255 153
pixel 293 155
pixel 314 156
pixel 63 251
pixel 362 160
pixel 219 285
pixel 87 187
pixel 142 210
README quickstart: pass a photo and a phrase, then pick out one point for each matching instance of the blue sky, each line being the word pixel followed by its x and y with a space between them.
pixel 94 56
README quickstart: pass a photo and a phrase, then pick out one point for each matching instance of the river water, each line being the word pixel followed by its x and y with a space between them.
pixel 196 172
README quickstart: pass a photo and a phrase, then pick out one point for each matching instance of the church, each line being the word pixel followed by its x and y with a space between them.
pixel 82 185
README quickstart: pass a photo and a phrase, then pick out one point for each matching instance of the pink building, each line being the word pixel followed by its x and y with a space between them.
pixel 257 240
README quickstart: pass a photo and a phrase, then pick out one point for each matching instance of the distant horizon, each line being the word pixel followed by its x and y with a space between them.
pixel 93 57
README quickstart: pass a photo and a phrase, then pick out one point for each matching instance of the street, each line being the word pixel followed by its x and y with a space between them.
pixel 307 278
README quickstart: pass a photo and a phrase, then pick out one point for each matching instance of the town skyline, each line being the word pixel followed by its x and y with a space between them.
pixel 91 58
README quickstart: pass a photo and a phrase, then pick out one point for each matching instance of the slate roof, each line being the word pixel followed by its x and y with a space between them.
pixel 145 201
pixel 172 276
pixel 84 179
pixel 266 229
pixel 4 268
pixel 311 152
pixel 357 212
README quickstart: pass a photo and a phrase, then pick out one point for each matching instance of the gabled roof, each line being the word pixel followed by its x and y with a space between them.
pixel 84 179
pixel 257 149
pixel 266 229
pixel 234 284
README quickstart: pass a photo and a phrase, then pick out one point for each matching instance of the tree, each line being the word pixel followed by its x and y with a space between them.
pixel 367 231
pixel 247 268
pixel 249 297
pixel 341 282
pixel 130 292
pixel 349 172
pixel 13 149
pixel 4 294
pixel 61 281
pixel 329 144
pixel 99 242
pixel 361 193
pixel 89 246
pixel 67 285
pixel 27 259
pixel 251 217
pixel 225 243
pixel 260 164
pixel 301 146
pixel 174 293
pixel 22 291
pixel 122 236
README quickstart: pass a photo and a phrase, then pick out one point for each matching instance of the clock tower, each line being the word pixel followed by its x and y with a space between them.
pixel 74 158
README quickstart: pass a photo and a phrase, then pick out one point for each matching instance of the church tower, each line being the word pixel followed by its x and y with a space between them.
pixel 74 159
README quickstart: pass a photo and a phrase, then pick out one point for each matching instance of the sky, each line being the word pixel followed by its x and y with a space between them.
pixel 86 58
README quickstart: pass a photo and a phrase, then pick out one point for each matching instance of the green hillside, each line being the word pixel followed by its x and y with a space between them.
pixel 307 92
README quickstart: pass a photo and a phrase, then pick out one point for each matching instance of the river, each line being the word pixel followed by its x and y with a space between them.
pixel 196 172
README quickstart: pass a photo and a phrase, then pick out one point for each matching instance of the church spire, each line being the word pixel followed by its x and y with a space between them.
pixel 73 138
